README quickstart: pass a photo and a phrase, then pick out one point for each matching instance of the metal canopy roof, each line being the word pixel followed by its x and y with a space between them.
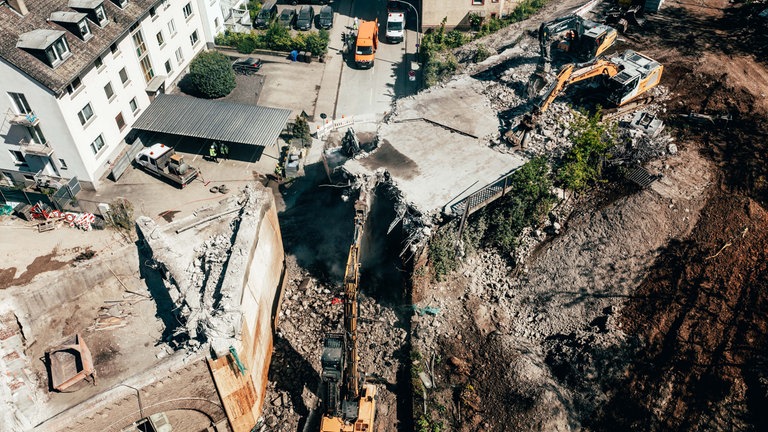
pixel 215 120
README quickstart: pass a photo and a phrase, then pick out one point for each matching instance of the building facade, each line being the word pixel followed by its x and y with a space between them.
pixel 76 74
pixel 458 12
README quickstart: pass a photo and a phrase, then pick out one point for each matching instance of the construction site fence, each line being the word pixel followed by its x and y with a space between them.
pixel 325 127
pixel 62 199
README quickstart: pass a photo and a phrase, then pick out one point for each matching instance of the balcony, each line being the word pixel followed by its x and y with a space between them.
pixel 28 120
pixel 29 147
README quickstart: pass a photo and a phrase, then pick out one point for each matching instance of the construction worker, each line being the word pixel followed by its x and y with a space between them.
pixel 224 150
pixel 212 153
pixel 355 24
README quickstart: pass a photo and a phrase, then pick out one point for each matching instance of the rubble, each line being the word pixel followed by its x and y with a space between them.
pixel 200 285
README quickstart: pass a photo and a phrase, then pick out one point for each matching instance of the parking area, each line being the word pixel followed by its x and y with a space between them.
pixel 280 83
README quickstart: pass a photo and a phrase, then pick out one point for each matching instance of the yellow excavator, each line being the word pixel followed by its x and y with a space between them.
pixel 583 39
pixel 627 78
pixel 349 403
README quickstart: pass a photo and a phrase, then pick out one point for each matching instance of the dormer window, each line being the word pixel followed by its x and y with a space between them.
pixel 58 52
pixel 101 15
pixel 94 9
pixel 75 22
pixel 120 3
pixel 85 31
pixel 47 45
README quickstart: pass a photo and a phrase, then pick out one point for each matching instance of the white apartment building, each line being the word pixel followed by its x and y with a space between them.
pixel 76 74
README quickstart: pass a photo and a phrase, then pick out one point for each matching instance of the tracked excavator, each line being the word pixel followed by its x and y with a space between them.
pixel 582 38
pixel 349 402
pixel 627 78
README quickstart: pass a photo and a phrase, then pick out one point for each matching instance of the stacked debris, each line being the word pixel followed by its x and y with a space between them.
pixel 207 298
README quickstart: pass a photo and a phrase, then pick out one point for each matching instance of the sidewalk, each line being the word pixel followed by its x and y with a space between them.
pixel 334 67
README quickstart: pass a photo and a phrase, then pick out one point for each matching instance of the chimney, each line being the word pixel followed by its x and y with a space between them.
pixel 19 6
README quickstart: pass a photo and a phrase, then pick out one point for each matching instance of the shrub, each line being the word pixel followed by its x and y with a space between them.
pixel 482 53
pixel 528 200
pixel 583 164
pixel 442 253
pixel 455 39
pixel 317 42
pixel 278 38
pixel 211 74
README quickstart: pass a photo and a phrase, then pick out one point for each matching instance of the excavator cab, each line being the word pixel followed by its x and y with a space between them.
pixel 332 362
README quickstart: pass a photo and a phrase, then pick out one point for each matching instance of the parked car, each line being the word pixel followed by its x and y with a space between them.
pixel 305 18
pixel 247 66
pixel 322 2
pixel 325 17
pixel 287 17
pixel 266 15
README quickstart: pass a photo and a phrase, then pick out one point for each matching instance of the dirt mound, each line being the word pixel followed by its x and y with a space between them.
pixel 704 314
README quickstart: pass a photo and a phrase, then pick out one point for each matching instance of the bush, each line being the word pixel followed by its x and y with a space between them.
pixel 278 38
pixel 442 253
pixel 583 164
pixel 528 200
pixel 316 42
pixel 275 38
pixel 482 53
pixel 211 74
pixel 455 39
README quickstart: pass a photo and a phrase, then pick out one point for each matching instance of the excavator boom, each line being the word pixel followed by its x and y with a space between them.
pixel 628 78
pixel 349 406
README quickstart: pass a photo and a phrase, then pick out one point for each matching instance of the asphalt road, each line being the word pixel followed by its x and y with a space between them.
pixel 367 91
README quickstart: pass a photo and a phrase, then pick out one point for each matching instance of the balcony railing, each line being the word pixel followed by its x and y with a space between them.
pixel 29 119
pixel 35 148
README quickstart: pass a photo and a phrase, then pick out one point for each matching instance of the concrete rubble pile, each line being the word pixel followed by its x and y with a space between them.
pixel 200 286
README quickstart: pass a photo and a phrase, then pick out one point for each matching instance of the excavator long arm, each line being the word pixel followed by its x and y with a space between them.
pixel 568 76
pixel 358 401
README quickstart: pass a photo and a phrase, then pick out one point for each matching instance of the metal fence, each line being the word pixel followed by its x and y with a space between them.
pixel 62 199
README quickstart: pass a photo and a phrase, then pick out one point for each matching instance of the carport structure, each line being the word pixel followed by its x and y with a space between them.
pixel 247 129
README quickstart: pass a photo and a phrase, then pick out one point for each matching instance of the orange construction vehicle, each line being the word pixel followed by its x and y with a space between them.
pixel 349 402
pixel 627 79
pixel 366 43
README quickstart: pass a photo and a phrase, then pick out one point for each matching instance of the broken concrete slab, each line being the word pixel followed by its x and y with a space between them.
pixel 433 177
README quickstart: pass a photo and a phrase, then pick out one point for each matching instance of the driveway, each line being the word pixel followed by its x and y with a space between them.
pixel 280 83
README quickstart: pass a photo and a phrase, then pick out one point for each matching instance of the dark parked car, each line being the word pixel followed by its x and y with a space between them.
pixel 325 17
pixel 266 15
pixel 322 2
pixel 247 66
pixel 305 18
pixel 287 17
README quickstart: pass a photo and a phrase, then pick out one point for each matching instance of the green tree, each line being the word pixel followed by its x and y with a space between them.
pixel 583 164
pixel 301 129
pixel 211 74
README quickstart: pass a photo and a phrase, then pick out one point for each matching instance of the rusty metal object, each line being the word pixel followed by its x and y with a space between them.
pixel 69 363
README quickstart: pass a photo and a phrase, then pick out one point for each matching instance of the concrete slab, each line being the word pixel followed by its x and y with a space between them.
pixel 459 105
pixel 434 166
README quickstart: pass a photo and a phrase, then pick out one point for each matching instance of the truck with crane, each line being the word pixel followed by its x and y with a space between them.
pixel 349 403
pixel 627 79
pixel 163 161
